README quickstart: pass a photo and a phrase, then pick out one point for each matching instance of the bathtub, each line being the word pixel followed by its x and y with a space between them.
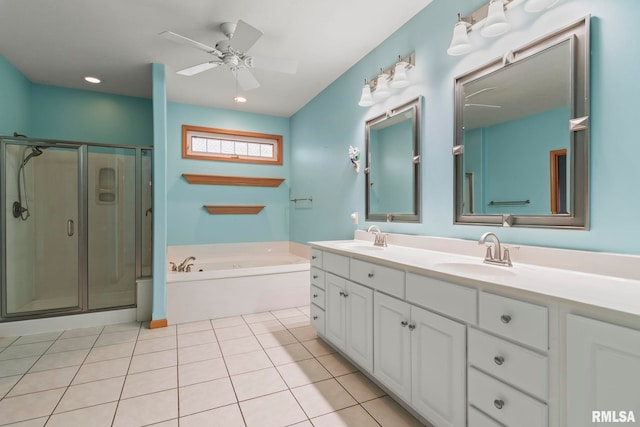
pixel 234 279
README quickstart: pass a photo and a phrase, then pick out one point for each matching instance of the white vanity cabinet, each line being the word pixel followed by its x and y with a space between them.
pixel 603 372
pixel 506 380
pixel 421 357
pixel 349 319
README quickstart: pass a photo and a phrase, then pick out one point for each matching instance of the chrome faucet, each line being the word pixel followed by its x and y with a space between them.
pixel 380 239
pixel 185 264
pixel 497 257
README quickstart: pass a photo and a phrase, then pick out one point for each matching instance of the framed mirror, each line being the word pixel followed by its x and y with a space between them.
pixel 521 150
pixel 392 184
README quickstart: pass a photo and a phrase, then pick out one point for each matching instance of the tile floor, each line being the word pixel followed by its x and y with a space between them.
pixel 264 369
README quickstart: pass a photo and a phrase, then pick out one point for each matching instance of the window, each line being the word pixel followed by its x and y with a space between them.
pixel 230 145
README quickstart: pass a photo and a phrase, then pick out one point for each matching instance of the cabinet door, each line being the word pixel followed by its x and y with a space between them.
pixel 335 310
pixel 438 371
pixel 391 344
pixel 603 371
pixel 359 325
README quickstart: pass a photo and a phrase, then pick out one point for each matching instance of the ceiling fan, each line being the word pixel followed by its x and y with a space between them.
pixel 232 53
pixel 487 89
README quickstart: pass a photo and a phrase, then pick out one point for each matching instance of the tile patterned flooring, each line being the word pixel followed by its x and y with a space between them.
pixel 258 370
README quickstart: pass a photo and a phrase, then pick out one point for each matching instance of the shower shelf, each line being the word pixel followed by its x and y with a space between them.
pixel 233 209
pixel 232 180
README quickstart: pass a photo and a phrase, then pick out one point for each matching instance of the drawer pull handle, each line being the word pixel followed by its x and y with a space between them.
pixel 505 318
pixel 404 323
pixel 370 275
pixel 345 294
pixel 341 293
pixel 315 317
pixel 498 403
pixel 499 360
pixel 412 326
pixel 315 295
pixel 314 257
pixel 315 276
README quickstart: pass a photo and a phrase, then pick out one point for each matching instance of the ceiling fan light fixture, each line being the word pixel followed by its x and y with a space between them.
pixel 496 23
pixel 366 100
pixel 92 80
pixel 535 6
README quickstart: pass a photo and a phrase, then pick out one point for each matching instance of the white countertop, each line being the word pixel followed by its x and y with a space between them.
pixel 614 293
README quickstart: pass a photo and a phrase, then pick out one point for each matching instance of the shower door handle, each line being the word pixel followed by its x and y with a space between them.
pixel 70 228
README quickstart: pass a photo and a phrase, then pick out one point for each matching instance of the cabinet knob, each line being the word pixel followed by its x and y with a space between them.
pixel 315 276
pixel 412 326
pixel 315 295
pixel 370 275
pixel 499 360
pixel 341 293
pixel 498 403
pixel 314 257
pixel 345 294
pixel 505 318
pixel 404 323
pixel 315 317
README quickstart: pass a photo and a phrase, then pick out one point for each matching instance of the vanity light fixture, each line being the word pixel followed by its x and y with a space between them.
pixel 460 44
pixel 496 23
pixel 366 100
pixel 492 21
pixel 381 87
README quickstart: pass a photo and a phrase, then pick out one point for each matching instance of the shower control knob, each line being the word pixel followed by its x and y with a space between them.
pixel 505 318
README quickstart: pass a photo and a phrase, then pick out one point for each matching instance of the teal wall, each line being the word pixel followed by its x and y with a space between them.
pixel 188 222
pixel 82 115
pixel 529 140
pixel 323 130
pixel 14 99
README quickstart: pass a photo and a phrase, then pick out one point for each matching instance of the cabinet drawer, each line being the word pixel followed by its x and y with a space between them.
pixel 317 296
pixel 504 403
pixel 452 300
pixel 316 257
pixel 336 264
pixel 317 319
pixel 384 279
pixel 317 277
pixel 521 321
pixel 523 368
pixel 478 419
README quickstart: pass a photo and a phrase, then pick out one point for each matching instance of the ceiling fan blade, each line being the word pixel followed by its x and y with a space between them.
pixel 479 92
pixel 245 36
pixel 188 42
pixel 245 79
pixel 483 105
pixel 289 66
pixel 199 68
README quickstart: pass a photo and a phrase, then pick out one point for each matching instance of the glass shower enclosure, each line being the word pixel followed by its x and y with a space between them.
pixel 76 225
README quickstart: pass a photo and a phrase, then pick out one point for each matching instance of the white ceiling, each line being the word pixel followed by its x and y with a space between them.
pixel 58 42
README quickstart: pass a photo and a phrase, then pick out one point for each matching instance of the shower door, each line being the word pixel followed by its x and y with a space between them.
pixel 43 223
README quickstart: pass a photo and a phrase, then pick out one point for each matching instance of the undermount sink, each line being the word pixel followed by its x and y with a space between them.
pixel 359 246
pixel 475 269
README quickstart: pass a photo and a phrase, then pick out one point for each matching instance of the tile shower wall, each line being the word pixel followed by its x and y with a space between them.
pixel 323 130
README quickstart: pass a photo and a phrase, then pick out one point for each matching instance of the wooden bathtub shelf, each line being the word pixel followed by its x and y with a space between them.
pixel 232 180
pixel 229 210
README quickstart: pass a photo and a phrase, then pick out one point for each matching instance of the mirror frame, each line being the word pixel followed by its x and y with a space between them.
pixel 578 35
pixel 416 106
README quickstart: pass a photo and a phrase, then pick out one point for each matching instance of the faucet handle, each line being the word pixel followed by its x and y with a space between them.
pixel 488 255
pixel 188 268
pixel 506 258
pixel 174 267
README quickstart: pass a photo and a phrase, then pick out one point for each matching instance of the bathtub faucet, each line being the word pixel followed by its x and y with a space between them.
pixel 183 264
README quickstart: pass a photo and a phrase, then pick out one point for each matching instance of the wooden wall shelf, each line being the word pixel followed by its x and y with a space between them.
pixel 229 210
pixel 232 180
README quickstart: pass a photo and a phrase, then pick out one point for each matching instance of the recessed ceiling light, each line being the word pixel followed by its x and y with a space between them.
pixel 93 80
pixel 240 99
